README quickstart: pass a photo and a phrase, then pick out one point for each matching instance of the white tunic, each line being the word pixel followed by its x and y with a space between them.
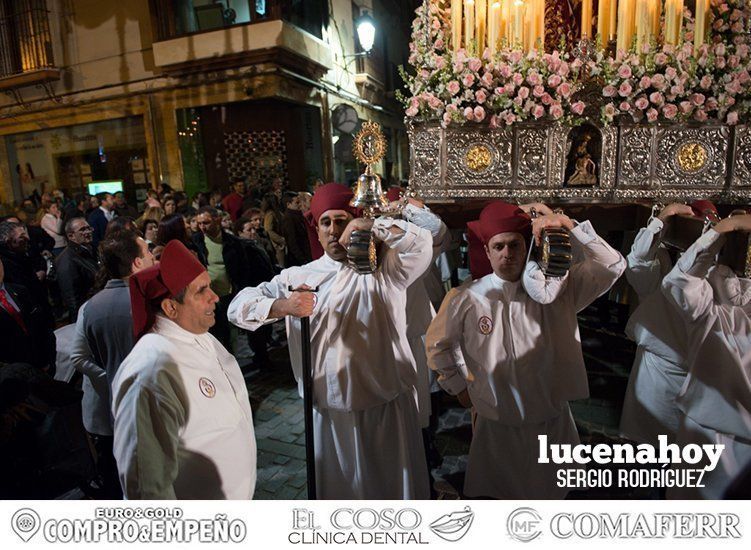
pixel 183 424
pixel 659 371
pixel 362 364
pixel 420 311
pixel 524 363
pixel 717 394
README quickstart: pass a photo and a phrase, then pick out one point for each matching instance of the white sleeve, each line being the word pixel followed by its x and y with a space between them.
pixel 410 250
pixel 423 217
pixel 443 344
pixel 686 285
pixel 251 307
pixel 644 271
pixel 600 268
pixel 147 434
pixel 542 289
pixel 82 359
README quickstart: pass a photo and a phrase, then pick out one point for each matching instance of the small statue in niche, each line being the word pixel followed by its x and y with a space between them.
pixel 583 157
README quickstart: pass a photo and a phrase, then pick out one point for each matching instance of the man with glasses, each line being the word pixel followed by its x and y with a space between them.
pixel 76 266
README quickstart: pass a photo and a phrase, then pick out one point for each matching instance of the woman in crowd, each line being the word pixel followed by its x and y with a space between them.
pixel 52 223
pixel 173 228
pixel 170 206
pixel 149 229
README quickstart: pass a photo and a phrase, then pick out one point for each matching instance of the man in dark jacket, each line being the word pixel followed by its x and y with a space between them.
pixel 99 218
pixel 295 233
pixel 21 267
pixel 77 266
pixel 25 333
pixel 122 208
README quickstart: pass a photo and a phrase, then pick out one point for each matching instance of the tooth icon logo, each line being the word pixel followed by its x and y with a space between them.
pixel 452 527
pixel 25 523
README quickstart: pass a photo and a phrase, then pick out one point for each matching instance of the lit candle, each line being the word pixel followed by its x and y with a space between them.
pixel 540 42
pixel 603 21
pixel 678 20
pixel 700 24
pixel 586 18
pixel 494 26
pixel 503 31
pixel 643 24
pixel 456 23
pixel 481 13
pixel 469 23
pixel 517 20
pixel 613 11
pixel 625 35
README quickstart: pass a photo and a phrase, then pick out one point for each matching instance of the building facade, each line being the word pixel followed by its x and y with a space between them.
pixel 193 93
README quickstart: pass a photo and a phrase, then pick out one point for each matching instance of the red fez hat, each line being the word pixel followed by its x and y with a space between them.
pixel 392 194
pixel 177 269
pixel 701 207
pixel 497 217
pixel 332 196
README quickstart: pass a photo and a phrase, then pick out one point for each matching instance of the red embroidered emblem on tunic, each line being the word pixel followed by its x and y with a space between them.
pixel 485 324
pixel 207 387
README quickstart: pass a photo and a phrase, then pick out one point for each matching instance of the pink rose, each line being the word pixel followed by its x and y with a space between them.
pixel 698 99
pixel 438 44
pixel 556 111
pixel 661 58
pixel 468 80
pixel 656 98
pixel 625 106
pixel 732 117
pixel 505 70
pixel 609 90
pixel 610 111
pixel 487 79
pixel 700 115
pixel 523 92
pixel 563 69
pixel 480 96
pixel 446 118
pixel 509 88
pixel 510 118
pixel 578 107
pixel 533 79
pixel 641 103
pixel 645 82
pixel 670 111
pixel 469 113
pixel 538 111
pixel 458 67
pixel 711 104
pixel 554 81
pixel 546 99
pixel 453 87
pixel 564 90
pixel 625 89
pixel 658 81
pixel 411 111
pixel 652 115
pixel 670 73
pixel 435 103
pixel 719 49
pixel 517 79
pixel 706 82
pixel 624 71
pixel 685 107
pixel 440 62
pixel 479 114
pixel 538 90
pixel 475 64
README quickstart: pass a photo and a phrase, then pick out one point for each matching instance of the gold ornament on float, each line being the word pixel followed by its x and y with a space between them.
pixel 478 158
pixel 369 145
pixel 691 156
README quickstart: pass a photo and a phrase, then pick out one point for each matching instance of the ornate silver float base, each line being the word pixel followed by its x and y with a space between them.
pixel 534 161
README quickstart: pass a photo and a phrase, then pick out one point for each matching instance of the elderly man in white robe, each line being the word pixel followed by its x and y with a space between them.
pixel 659 370
pixel 368 443
pixel 522 355
pixel 716 398
pixel 182 419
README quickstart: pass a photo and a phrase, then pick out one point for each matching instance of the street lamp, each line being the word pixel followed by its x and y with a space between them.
pixel 365 26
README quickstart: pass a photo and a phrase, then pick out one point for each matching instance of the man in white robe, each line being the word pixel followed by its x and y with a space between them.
pixel 523 358
pixel 659 370
pixel 183 427
pixel 367 436
pixel 716 398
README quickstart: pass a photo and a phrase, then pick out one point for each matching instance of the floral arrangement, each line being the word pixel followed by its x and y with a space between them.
pixel 669 83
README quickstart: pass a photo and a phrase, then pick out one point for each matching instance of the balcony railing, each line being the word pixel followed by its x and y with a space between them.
pixel 175 18
pixel 25 39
